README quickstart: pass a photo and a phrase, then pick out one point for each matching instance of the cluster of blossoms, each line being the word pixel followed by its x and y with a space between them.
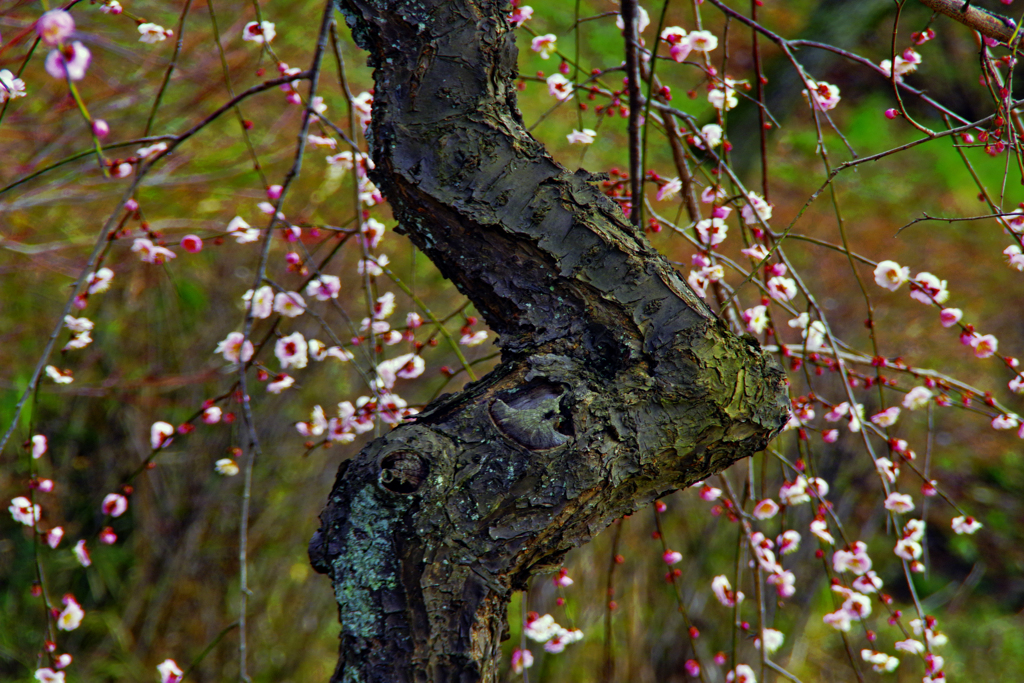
pixel 544 629
pixel 681 43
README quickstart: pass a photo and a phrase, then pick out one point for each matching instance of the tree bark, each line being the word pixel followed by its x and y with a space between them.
pixel 617 384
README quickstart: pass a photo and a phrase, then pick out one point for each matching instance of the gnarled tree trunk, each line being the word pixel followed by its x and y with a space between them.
pixel 617 384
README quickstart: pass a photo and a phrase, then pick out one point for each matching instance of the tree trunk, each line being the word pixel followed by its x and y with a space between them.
pixel 617 384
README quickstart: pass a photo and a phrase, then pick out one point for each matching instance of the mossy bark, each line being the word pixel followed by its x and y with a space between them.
pixel 617 383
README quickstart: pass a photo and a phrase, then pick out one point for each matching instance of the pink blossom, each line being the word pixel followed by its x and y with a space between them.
pixel 692 667
pixel 1014 257
pixel 169 671
pixel 259 32
pixel 950 316
pixel 868 583
pixel 927 288
pixel 242 231
pixel 544 45
pixel 160 435
pixel 782 288
pixel 10 87
pixel 234 350
pixel 107 536
pixel 473 338
pixel 151 253
pixel 518 16
pixel 756 319
pixel 100 280
pixel 280 383
pixel 54 27
pixel 702 41
pixel 39 446
pixel 23 511
pixel 984 345
pixel 819 527
pixel 643 20
pixel 784 582
pixel 521 659
pixel 1005 422
pixel 712 231
pixel 887 417
pixel 891 275
pixel 48 675
pixel 710 493
pixel 766 509
pixel 82 554
pixel 581 137
pixel 153 33
pixel 907 549
pixel 289 304
pixel 788 542
pixel 887 469
pixel 71 617
pixel 965 525
pixel 723 591
pixel 670 189
pixel 839 620
pixel 324 288
pixel 756 208
pixel 54 535
pixel 824 95
pixel 741 674
pixel 114 504
pixel 672 556
pixel 292 351
pixel 560 87
pixel 830 435
pixel 899 502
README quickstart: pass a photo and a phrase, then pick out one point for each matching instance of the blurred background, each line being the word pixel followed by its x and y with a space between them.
pixel 168 588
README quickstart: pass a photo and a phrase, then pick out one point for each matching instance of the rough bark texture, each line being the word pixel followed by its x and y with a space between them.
pixel 617 384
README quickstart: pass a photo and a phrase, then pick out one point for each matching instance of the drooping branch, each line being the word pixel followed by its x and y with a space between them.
pixel 617 384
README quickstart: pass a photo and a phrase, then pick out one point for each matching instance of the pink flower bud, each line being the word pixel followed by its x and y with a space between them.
pixel 131 206
pixel 100 128
pixel 293 98
pixel 891 113
pixel 191 244
pixel 672 556
pixel 274 192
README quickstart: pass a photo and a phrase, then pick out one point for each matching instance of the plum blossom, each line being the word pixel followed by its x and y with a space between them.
pixel 910 646
pixel 1005 422
pixel 54 27
pixel 710 135
pixel 212 415
pixel 741 674
pixel 242 231
pixel 854 560
pixel 153 33
pixel 68 62
pixel 723 591
pixel 151 253
pixel 899 502
pixel 262 301
pixel 887 469
pixel 48 675
pixel 521 659
pixel 643 19
pixel 114 505
pixel 825 95
pixel 160 435
pixel 756 319
pixel 517 18
pixel 672 556
pixel 712 231
pixel 782 288
pixel 891 275
pixel 1016 384
pixel 1014 257
pixel 233 349
pixel 10 87
pixel 839 620
pixel 581 137
pixel 259 32
pixel 23 511
pixel 984 345
pixel 887 417
pixel 169 671
pixel 879 661
pixel 82 554
pixel 724 97
pixel 784 582
pixel 918 397
pixel 772 638
pixel 907 549
pixel 226 467
pixel 965 525
pixel 755 208
pixel 868 583
pixel 373 266
pixel 324 288
pixel 794 493
pixel 473 338
pixel 59 376
pixel 54 535
pixel 544 45
pixel 670 189
pixel 100 280
pixel 289 304
pixel 560 87
pixel 702 41
pixel 819 527
pixel 280 383
pixel 788 541
pixel 292 351
pixel 927 288
pixel 71 617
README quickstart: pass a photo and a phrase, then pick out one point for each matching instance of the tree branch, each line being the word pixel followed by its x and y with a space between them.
pixel 981 20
